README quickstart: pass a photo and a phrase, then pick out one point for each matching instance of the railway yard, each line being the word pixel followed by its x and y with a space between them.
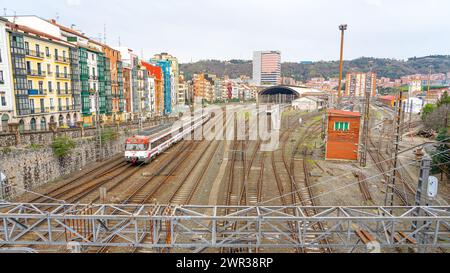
pixel 236 173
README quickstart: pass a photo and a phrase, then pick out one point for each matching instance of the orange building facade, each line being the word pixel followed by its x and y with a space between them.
pixel 343 135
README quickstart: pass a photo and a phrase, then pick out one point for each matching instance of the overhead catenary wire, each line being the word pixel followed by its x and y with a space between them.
pixel 343 175
pixel 353 184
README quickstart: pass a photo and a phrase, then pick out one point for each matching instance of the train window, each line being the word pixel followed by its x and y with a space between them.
pixel 136 147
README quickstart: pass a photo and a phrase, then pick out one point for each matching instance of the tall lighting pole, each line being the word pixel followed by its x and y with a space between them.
pixel 342 28
pixel 429 84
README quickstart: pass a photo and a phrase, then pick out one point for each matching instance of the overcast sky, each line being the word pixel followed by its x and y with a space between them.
pixel 233 29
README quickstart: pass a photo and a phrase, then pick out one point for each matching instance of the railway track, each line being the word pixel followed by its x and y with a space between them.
pixel 384 166
pixel 301 182
pixel 67 186
pixel 146 191
pixel 141 194
pixel 289 190
pixel 363 186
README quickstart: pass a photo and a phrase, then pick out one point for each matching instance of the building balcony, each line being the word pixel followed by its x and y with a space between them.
pixel 37 92
pixel 64 93
pixel 62 76
pixel 36 73
pixel 34 54
pixel 62 59
pixel 92 77
pixel 39 110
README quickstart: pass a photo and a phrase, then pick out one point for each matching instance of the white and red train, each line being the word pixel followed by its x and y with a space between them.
pixel 143 148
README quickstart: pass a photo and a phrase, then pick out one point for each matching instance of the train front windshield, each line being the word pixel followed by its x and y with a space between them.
pixel 136 147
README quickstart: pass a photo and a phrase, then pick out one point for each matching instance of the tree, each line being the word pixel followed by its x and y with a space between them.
pixel 428 109
pixel 444 100
pixel 441 158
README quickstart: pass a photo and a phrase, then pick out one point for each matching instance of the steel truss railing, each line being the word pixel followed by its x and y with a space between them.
pixel 197 227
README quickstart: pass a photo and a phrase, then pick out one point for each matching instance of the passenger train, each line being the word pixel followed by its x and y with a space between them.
pixel 145 146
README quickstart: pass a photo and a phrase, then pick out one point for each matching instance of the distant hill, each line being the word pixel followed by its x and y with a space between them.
pixel 390 68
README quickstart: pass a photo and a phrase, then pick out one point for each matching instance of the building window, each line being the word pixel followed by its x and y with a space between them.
pixel 50 88
pixel 47 51
pixel 28 67
pixel 43 124
pixel 0 55
pixel 341 126
pixel 32 106
pixel 2 80
pixel 38 50
pixel 3 99
pixel 49 69
pixel 30 84
pixel 56 53
pixel 33 124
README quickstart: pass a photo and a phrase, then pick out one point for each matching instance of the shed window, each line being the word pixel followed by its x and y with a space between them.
pixel 341 126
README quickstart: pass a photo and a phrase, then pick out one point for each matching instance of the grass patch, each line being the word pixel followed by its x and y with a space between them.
pixel 6 150
pixel 35 147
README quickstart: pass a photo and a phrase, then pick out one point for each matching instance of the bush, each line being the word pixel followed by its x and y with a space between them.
pixel 108 135
pixel 62 146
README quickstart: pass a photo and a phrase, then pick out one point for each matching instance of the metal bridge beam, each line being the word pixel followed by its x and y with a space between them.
pixel 166 226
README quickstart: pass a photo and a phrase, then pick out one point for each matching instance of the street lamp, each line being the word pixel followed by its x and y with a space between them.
pixel 342 28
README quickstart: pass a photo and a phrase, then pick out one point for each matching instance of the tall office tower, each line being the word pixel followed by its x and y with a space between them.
pixel 267 67
pixel 357 83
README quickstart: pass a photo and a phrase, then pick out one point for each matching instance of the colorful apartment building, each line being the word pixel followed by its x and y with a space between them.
pixel 41 65
pixel 53 74
pixel 175 95
pixel 155 72
pixel 204 87
pixel 130 82
pixel 167 83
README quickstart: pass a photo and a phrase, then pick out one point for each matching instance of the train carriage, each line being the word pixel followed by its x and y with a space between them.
pixel 143 148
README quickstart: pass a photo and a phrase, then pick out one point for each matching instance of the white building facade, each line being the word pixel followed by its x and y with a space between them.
pixel 6 83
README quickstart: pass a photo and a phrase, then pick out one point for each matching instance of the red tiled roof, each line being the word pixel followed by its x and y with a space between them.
pixel 334 112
